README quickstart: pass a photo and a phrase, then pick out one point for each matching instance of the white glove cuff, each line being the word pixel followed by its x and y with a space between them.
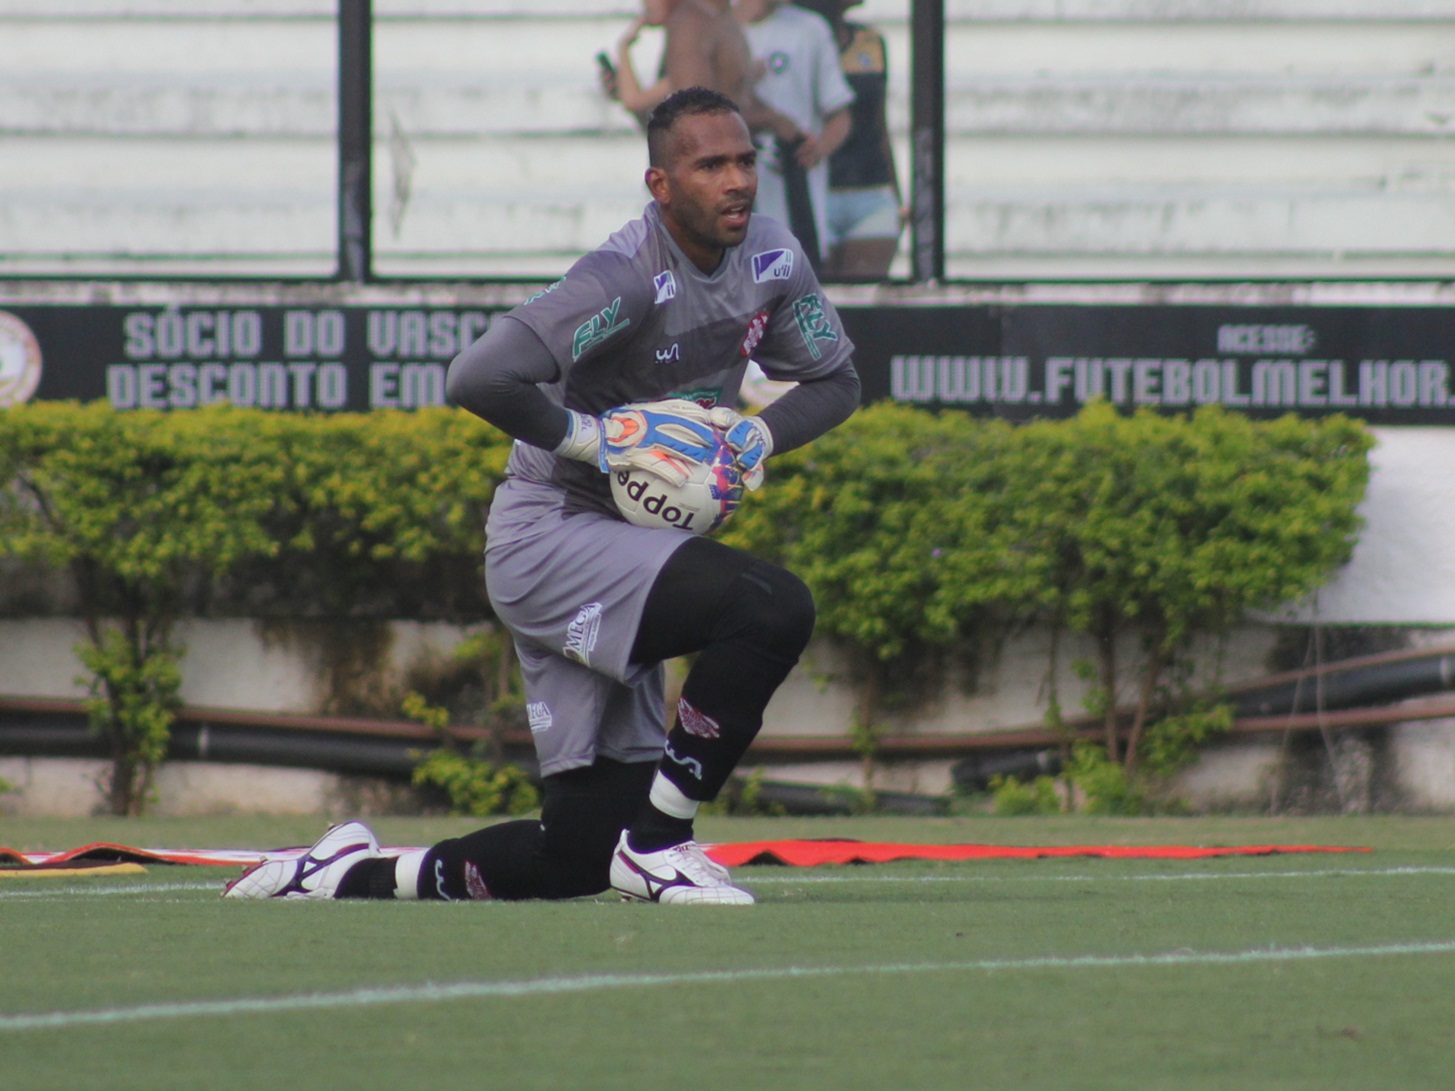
pixel 583 439
pixel 767 435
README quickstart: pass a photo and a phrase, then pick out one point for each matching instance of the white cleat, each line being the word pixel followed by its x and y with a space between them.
pixel 680 875
pixel 315 874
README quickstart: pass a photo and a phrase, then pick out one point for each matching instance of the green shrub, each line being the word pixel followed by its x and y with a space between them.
pixel 132 505
pixel 470 783
pixel 1014 798
pixel 157 516
pixel 476 787
pixel 921 532
pixel 922 535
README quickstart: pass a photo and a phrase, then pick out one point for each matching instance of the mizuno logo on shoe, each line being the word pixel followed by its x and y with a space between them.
pixel 655 883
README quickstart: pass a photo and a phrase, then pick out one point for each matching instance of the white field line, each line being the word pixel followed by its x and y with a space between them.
pixel 550 986
pixel 753 877
pixel 47 891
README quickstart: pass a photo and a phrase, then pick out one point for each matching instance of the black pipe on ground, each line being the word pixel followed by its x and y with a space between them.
pixel 1351 687
pixel 974 773
pixel 70 737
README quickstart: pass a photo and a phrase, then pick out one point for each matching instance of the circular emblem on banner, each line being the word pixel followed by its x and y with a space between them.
pixel 19 361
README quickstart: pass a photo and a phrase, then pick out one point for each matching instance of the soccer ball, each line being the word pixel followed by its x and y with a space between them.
pixel 707 501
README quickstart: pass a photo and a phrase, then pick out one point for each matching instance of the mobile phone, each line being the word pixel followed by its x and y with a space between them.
pixel 605 62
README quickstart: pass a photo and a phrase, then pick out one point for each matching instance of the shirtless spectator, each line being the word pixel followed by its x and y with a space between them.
pixel 705 47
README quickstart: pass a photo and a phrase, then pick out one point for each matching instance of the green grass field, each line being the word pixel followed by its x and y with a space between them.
pixel 1290 971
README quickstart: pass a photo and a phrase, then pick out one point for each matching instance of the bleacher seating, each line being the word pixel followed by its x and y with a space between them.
pixel 1121 138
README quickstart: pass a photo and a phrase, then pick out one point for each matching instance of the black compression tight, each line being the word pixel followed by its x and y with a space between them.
pixel 747 622
pixel 567 854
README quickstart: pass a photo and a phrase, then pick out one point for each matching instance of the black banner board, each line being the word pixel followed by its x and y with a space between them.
pixel 268 357
pixel 1388 365
pixel 1385 364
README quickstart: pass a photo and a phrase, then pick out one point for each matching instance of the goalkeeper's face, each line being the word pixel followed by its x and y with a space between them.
pixel 706 185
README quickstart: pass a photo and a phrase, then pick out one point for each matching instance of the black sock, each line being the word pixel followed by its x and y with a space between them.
pixel 567 854
pixel 654 831
pixel 372 878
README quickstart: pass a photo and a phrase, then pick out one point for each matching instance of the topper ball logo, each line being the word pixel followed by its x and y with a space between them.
pixel 705 502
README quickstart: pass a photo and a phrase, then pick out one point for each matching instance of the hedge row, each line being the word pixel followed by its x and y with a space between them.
pixel 918 531
pixel 914 530
pixel 222 510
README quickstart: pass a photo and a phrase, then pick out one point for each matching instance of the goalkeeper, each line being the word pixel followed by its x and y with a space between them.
pixel 668 310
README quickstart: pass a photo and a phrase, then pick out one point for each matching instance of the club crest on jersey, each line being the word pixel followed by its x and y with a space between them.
pixel 708 397
pixel 598 328
pixel 756 328
pixel 582 633
pixel 666 285
pixel 772 265
pixel 813 324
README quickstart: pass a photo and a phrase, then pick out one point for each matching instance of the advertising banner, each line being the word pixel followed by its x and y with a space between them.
pixel 1387 365
pixel 1384 365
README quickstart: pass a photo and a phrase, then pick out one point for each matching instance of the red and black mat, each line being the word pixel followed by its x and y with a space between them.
pixel 835 851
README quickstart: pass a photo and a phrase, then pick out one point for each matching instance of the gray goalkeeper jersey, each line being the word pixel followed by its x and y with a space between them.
pixel 635 320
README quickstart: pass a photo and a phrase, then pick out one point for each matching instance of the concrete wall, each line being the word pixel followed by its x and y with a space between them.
pixel 1102 138
pixel 245 665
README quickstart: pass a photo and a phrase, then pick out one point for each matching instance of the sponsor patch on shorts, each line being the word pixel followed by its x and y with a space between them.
pixel 582 634
pixel 538 715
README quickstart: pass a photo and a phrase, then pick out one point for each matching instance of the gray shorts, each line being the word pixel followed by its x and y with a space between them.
pixel 571 589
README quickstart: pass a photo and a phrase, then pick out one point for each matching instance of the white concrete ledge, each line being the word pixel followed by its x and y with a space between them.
pixel 1213 104
pixel 455 226
pixel 551 105
pixel 1142 11
pixel 1155 223
pixel 874 10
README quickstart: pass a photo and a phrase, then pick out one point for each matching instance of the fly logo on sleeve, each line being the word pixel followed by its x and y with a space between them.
pixel 598 328
pixel 814 325
pixel 772 265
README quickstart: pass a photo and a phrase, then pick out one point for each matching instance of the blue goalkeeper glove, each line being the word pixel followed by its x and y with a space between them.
pixel 750 440
pixel 664 437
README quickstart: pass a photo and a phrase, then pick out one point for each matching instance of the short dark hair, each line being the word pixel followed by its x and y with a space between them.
pixel 688 102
